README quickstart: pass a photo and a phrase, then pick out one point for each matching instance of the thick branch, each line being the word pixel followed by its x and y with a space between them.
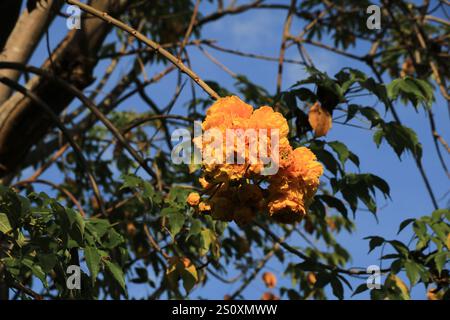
pixel 22 124
pixel 25 37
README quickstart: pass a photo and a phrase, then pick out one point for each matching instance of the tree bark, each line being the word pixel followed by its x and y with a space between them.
pixel 24 38
pixel 22 124
pixel 9 12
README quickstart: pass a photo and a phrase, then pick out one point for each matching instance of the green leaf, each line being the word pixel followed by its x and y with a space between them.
pixel 325 157
pixel 176 222
pixel 338 289
pixel 5 226
pixel 414 90
pixel 130 181
pixel 372 115
pixel 412 271
pixel 440 259
pixel 36 270
pixel 441 230
pixel 113 240
pixel 374 242
pixel 190 277
pixel 396 284
pixel 206 238
pixel 304 94
pixel 93 259
pixel 47 261
pixel 404 224
pixel 341 150
pixel 334 203
pixel 400 247
pixel 420 229
pixel 399 137
pixel 361 288
pixel 98 227
pixel 381 184
pixel 117 273
pixel 351 112
pixel 196 228
pixel 378 89
pixel 77 225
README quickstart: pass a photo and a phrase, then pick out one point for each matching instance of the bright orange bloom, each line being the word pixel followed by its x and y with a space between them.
pixel 266 118
pixel 292 189
pixel 233 187
pixel 193 199
pixel 286 203
pixel 228 112
pixel 205 184
pixel 204 206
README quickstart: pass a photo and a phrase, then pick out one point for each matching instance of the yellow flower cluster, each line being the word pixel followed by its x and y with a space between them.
pixel 233 190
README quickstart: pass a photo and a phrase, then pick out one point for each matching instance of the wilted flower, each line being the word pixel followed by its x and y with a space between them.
pixel 269 280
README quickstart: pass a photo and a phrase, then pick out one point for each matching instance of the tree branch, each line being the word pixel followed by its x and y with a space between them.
pixel 155 46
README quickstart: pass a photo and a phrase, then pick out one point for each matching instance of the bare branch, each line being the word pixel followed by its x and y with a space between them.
pixel 157 47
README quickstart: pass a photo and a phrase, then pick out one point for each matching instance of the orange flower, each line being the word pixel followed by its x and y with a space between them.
pixel 193 199
pixel 228 112
pixel 305 166
pixel 205 184
pixel 286 155
pixel 204 206
pixel 287 206
pixel 238 197
pixel 269 280
pixel 231 106
pixel 266 118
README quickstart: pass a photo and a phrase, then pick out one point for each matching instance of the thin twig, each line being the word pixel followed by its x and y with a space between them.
pixel 88 103
pixel 304 257
pixel 189 29
pixel 55 186
pixel 28 291
pixel 217 62
pixel 249 55
pixel 285 37
pixel 46 165
pixel 26 92
pixel 157 47
pixel 154 244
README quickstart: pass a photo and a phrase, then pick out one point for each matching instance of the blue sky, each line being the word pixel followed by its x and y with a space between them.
pixel 259 32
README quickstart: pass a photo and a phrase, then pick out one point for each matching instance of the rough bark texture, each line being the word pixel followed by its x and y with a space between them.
pixel 22 123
